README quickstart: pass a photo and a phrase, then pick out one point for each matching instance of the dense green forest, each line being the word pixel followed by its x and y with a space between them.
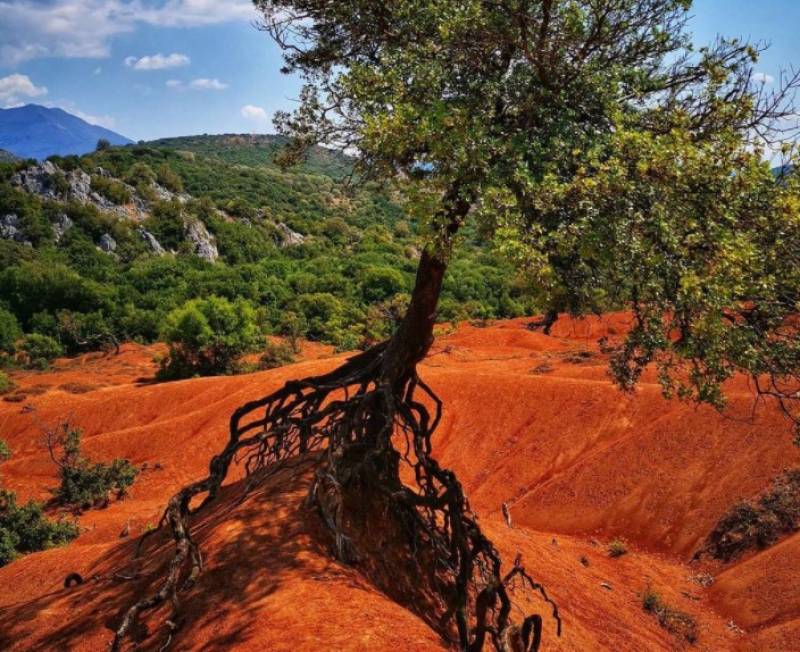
pixel 343 284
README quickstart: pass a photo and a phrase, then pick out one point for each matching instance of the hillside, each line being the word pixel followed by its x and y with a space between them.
pixel 34 131
pixel 530 420
pixel 255 150
pixel 89 240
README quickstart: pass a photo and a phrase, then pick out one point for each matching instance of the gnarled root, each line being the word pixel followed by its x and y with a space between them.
pixel 366 435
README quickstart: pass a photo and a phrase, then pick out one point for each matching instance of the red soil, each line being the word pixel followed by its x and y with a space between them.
pixel 529 420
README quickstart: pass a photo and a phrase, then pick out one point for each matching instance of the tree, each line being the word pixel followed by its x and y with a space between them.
pixel 10 332
pixel 85 484
pixel 102 145
pixel 615 163
pixel 207 336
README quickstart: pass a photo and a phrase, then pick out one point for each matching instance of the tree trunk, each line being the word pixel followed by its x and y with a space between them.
pixel 413 339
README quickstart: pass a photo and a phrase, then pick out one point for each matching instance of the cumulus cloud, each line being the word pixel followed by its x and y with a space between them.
pixel 763 78
pixel 158 61
pixel 255 113
pixel 16 88
pixel 84 28
pixel 200 84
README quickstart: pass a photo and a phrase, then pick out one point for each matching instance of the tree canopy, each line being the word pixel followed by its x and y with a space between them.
pixel 616 162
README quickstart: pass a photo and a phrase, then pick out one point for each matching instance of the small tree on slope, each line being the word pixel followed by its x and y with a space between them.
pixel 616 163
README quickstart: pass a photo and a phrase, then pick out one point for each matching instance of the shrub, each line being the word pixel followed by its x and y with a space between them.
pixel 10 332
pixel 113 190
pixel 673 620
pixel 381 283
pixel 169 179
pixel 25 528
pixel 6 385
pixel 207 336
pixel 85 484
pixel 40 350
pixel 617 548
pixel 166 223
pixel 757 523
pixel 276 355
pixel 292 325
pixel 140 174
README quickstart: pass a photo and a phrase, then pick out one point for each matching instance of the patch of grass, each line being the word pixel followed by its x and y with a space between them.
pixel 759 523
pixel 617 548
pixel 676 622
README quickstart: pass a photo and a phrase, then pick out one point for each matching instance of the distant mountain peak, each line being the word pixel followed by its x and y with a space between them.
pixel 35 131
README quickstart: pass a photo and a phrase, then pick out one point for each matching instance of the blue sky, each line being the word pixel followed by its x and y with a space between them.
pixel 154 68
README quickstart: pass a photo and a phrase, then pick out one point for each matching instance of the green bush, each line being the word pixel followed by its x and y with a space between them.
pixel 10 332
pixel 140 174
pixel 41 350
pixel 381 283
pixel 169 179
pixel 276 355
pixel 6 385
pixel 25 528
pixel 86 484
pixel 207 337
pixel 113 190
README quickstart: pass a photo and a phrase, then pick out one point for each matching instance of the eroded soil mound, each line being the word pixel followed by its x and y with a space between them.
pixel 530 420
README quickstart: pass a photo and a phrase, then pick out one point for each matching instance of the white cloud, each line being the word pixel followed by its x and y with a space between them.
pixel 201 84
pixel 84 28
pixel 158 61
pixel 763 78
pixel 255 113
pixel 14 88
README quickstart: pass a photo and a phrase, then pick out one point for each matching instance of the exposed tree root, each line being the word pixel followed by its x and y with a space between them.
pixel 362 430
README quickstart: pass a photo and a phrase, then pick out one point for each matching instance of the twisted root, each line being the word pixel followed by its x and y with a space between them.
pixel 360 431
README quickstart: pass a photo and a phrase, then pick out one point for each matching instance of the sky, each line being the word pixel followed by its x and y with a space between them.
pixel 154 68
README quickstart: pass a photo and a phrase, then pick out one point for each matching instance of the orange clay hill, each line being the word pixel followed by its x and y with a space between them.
pixel 531 421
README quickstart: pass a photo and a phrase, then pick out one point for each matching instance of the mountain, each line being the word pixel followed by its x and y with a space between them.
pixel 34 131
pixel 6 157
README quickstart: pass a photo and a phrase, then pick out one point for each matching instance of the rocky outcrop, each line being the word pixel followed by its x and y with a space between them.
pixel 61 226
pixel 38 180
pixel 11 229
pixel 288 238
pixel 49 181
pixel 203 243
pixel 107 243
pixel 151 241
